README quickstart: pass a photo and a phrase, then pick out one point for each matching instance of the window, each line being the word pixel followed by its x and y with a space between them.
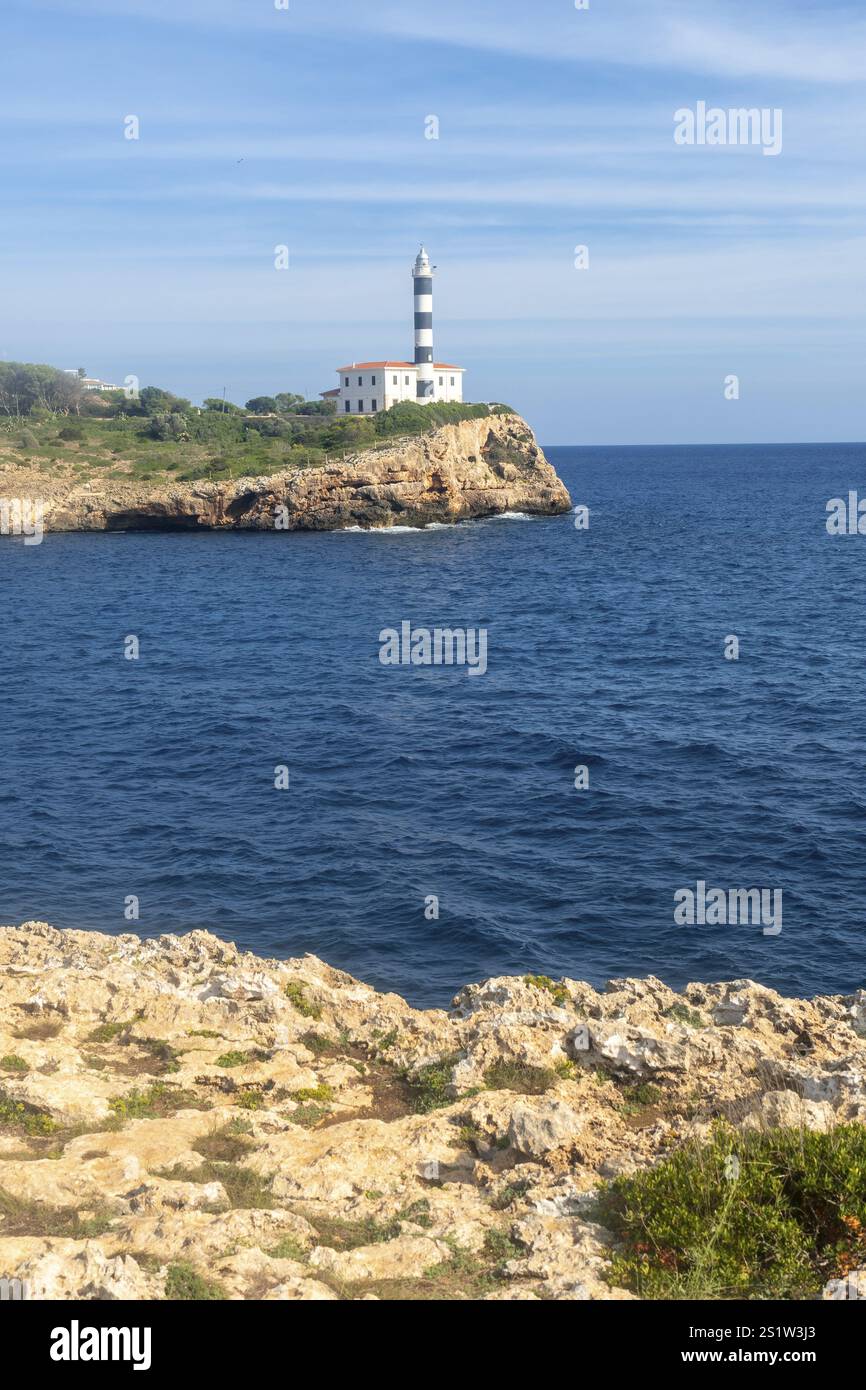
pixel 360 407
pixel 373 381
pixel 360 381
pixel 347 381
pixel 407 381
pixel 452 381
pixel 395 381
pixel 373 407
pixel 441 381
pixel 347 406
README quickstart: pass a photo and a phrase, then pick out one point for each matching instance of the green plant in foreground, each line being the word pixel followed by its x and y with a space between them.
pixel 297 996
pixel 159 1099
pixel 184 1283
pixel 743 1216
pixel 559 993
pixel 507 1075
pixel 15 1114
pixel 431 1084
pixel 12 1062
pixel 323 1092
pixel 681 1013
pixel 232 1059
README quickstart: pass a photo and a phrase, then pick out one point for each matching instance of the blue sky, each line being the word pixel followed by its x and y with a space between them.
pixel 306 127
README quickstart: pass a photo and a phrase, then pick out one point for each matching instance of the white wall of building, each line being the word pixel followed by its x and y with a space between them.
pixel 366 390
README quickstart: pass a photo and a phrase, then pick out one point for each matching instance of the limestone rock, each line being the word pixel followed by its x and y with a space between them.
pixel 474 468
pixel 292 1134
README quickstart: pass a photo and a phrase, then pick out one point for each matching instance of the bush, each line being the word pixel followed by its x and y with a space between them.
pixel 744 1216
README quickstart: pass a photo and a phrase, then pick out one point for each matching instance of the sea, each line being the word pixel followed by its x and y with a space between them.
pixel 198 731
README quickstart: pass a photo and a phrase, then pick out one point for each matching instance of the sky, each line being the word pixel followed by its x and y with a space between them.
pixel 307 127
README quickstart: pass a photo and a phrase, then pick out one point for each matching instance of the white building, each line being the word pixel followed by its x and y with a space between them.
pixel 90 383
pixel 368 387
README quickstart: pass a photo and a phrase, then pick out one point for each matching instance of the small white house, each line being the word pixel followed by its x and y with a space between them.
pixel 367 387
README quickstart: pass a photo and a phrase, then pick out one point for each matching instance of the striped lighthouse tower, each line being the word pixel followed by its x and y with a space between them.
pixel 422 275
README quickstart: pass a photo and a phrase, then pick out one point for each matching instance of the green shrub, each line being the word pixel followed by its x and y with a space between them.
pixel 431 1085
pixel 297 996
pixel 519 1076
pixel 559 993
pixel 184 1283
pixel 743 1216
pixel 681 1013
pixel 12 1062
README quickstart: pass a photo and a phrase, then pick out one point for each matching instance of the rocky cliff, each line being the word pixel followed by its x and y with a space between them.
pixel 179 1119
pixel 472 469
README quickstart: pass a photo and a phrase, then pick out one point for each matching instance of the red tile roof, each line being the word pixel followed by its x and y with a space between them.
pixel 366 366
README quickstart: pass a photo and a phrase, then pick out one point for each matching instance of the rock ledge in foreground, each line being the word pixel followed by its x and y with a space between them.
pixel 178 1117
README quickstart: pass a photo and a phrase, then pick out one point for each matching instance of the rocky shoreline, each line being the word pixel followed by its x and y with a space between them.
pixel 182 1120
pixel 475 468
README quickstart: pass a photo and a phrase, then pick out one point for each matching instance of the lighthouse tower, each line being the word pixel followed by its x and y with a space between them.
pixel 422 275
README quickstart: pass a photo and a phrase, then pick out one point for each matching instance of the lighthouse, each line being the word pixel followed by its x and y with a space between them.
pixel 368 387
pixel 422 275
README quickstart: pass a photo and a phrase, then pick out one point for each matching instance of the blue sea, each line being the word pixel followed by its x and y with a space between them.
pixel 155 778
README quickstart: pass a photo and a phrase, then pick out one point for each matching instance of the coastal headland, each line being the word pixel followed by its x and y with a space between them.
pixel 478 467
pixel 182 1120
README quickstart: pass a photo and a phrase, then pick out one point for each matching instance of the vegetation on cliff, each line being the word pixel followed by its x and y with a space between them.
pixel 49 424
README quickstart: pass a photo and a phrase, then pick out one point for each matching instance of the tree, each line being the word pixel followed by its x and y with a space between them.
pixel 262 405
pixel 288 403
pixel 155 401
pixel 27 386
pixel 168 427
pixel 217 404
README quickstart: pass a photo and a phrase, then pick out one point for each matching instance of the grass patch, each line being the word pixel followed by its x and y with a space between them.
pixel 107 1032
pixel 244 1187
pixel 21 1217
pixel 12 1062
pixel 342 1233
pixel 23 1118
pixel 225 1145
pixel 297 997
pixel 319 1046
pixel 308 1116
pixel 158 1100
pixel 519 1076
pixel 430 1086
pixel 681 1013
pixel 38 1032
pixel 323 1093
pixel 242 1059
pixel 288 1248
pixel 250 1100
pixel 184 1284
pixel 639 1096
pixel 757 1216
